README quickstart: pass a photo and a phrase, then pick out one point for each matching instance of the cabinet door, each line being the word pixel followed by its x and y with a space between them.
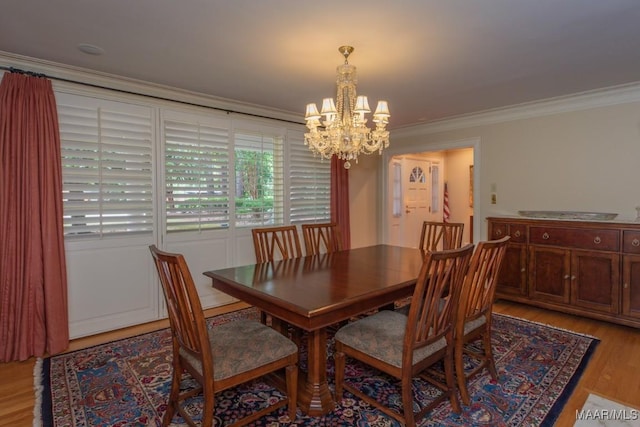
pixel 513 273
pixel 549 274
pixel 631 286
pixel 595 281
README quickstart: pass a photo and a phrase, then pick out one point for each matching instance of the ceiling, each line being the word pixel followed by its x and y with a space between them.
pixel 430 59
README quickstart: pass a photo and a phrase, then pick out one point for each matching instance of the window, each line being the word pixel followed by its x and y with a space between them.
pixel 435 188
pixel 196 175
pixel 107 166
pixel 397 189
pixel 417 175
pixel 110 167
pixel 259 163
pixel 310 183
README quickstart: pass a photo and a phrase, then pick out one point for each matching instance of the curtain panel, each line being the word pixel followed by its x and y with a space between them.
pixel 33 283
pixel 340 200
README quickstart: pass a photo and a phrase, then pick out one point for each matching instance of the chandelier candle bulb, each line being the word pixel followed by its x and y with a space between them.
pixel 344 131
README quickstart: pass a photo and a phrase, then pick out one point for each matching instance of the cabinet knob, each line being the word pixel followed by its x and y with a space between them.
pixel 517 233
pixel 597 240
pixel 626 285
pixel 545 236
pixel 566 276
pixel 635 242
pixel 522 270
pixel 498 232
pixel 573 277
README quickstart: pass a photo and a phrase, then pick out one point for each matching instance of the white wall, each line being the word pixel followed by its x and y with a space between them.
pixel 580 153
pixel 365 207
pixel 457 164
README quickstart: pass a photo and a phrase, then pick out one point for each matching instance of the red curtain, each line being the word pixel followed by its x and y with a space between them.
pixel 33 284
pixel 340 200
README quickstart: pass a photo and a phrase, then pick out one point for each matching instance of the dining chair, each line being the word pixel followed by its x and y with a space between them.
pixel 473 320
pixel 440 235
pixel 436 236
pixel 321 238
pixel 408 346
pixel 220 357
pixel 273 243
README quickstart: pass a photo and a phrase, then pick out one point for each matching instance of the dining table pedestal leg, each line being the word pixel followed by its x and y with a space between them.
pixel 314 396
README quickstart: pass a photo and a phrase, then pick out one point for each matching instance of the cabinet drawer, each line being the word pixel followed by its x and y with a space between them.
pixel 498 230
pixel 599 240
pixel 518 232
pixel 631 242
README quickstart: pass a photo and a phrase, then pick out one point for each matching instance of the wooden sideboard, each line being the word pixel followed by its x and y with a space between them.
pixel 588 268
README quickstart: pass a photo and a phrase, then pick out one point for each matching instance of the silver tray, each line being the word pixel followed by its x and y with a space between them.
pixel 595 216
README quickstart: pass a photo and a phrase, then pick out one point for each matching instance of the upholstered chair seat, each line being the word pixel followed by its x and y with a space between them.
pixel 221 356
pixel 242 346
pixel 407 346
pixel 381 335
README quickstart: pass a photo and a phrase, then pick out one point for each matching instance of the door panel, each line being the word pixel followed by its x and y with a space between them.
pixel 631 286
pixel 595 280
pixel 513 273
pixel 395 199
pixel 549 270
pixel 415 187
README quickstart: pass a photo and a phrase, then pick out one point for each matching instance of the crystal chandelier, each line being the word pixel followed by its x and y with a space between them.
pixel 344 130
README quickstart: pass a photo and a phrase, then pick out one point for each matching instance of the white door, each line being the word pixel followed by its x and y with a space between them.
pixel 414 199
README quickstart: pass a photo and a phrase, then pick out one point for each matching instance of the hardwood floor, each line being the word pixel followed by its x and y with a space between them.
pixel 613 372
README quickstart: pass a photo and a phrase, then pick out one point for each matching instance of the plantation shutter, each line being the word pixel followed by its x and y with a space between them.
pixel 107 166
pixel 310 183
pixel 196 175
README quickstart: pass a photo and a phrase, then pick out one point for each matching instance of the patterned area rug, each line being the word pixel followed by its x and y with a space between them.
pixel 125 383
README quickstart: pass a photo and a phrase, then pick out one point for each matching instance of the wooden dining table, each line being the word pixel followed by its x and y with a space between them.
pixel 318 291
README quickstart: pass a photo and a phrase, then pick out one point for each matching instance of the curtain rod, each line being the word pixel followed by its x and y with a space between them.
pixel 161 98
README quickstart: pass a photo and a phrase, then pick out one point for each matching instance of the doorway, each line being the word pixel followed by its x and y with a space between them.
pixel 415 190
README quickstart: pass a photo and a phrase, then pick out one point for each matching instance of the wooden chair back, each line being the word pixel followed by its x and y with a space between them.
pixel 435 298
pixel 321 238
pixel 409 346
pixel 473 319
pixel 194 347
pixel 188 325
pixel 274 243
pixel 436 236
pixel 478 291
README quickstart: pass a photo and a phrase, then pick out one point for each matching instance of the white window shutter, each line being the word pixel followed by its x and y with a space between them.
pixel 196 175
pixel 107 166
pixel 310 183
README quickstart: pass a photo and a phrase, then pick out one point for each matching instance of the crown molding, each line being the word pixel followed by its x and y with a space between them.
pixel 137 87
pixel 614 95
pixel 603 97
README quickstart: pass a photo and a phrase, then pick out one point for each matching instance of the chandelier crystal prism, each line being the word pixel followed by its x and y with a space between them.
pixel 344 131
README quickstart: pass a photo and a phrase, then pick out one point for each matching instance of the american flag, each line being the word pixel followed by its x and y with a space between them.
pixel 445 205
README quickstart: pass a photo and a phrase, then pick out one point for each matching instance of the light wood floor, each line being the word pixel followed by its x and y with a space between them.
pixel 613 372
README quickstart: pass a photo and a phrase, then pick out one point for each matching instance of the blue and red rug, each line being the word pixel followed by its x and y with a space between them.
pixel 126 383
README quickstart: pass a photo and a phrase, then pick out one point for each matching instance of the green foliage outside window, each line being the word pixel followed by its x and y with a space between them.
pixel 254 185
